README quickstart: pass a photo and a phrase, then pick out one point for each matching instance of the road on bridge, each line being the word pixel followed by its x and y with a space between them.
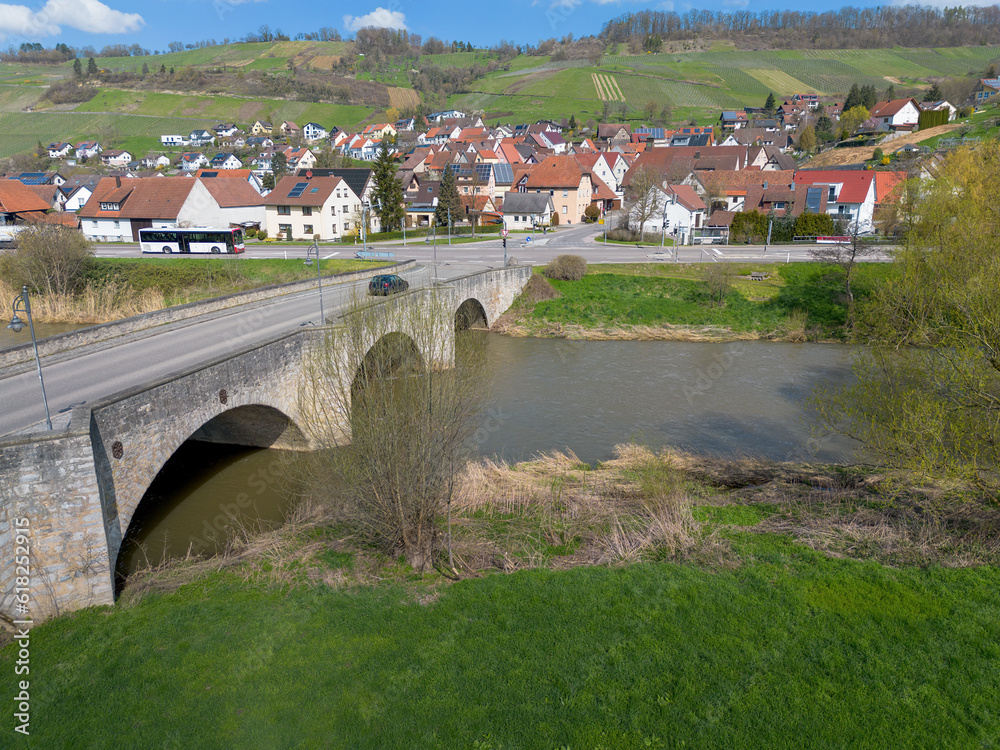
pixel 106 368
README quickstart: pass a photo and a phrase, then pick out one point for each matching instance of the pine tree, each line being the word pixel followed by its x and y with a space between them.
pixel 92 68
pixel 572 122
pixel 448 197
pixel 145 70
pixel 77 68
pixel 933 94
pixel 770 104
pixel 853 98
pixel 869 96
pixel 890 93
pixel 387 197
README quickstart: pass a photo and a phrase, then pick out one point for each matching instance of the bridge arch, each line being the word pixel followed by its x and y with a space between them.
pixel 469 314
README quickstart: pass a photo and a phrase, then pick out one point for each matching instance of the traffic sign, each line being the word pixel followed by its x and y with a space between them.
pixel 504 232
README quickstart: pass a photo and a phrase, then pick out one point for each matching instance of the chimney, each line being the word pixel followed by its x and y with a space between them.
pixel 118 181
pixel 765 184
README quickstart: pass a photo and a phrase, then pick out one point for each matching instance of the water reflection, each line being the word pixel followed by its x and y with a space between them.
pixel 737 398
pixel 201 496
pixel 732 399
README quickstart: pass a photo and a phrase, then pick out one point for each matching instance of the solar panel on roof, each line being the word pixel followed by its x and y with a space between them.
pixel 813 197
pixel 296 191
pixel 314 190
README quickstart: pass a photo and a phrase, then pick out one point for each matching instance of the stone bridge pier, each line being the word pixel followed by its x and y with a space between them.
pixel 67 497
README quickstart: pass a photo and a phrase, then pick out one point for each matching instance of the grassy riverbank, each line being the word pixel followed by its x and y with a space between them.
pixel 652 601
pixel 797 302
pixel 115 288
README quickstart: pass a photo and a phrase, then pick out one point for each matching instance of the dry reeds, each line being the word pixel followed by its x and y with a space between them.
pixel 90 305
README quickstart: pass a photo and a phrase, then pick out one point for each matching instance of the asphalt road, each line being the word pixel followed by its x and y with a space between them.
pixel 577 239
pixel 101 371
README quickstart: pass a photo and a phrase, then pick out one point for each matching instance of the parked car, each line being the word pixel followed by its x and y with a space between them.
pixel 387 284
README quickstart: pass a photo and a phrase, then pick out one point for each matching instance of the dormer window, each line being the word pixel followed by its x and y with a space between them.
pixel 110 206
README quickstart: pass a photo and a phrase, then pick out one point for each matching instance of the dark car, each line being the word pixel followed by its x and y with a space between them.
pixel 387 284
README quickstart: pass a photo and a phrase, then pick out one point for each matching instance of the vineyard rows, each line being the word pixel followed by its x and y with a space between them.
pixel 607 87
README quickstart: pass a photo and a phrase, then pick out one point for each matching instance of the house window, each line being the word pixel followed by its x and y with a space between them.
pixel 307 211
pixel 347 209
pixel 565 210
pixel 347 225
pixel 833 194
pixel 94 223
pixel 307 228
pixel 333 210
pixel 117 224
pixel 284 210
pixel 285 230
pixel 565 193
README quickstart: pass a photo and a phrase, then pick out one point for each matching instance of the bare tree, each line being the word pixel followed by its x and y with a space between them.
pixel 642 198
pixel 847 255
pixel 397 420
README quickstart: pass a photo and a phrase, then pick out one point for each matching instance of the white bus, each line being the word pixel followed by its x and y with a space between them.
pixel 195 240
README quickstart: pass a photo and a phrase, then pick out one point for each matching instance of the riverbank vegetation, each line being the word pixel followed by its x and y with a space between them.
pixel 83 289
pixel 655 600
pixel 795 302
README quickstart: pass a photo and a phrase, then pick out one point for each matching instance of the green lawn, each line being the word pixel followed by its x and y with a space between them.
pixel 787 649
pixel 650 295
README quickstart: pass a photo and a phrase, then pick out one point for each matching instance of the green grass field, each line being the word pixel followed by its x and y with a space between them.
pixel 611 296
pixel 786 649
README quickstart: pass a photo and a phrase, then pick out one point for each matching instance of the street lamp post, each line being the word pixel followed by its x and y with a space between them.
pixel 364 225
pixel 16 324
pixel 449 224
pixel 319 278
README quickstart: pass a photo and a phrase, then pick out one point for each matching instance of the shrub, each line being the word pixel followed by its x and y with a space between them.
pixel 555 219
pixel 48 258
pixel 592 212
pixel 877 154
pixel 566 268
pixel 250 233
pixel 261 234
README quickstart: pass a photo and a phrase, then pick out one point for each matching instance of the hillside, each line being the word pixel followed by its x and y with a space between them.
pixel 693 86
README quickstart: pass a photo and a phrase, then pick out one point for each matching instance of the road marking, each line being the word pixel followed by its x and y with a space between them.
pixel 327 257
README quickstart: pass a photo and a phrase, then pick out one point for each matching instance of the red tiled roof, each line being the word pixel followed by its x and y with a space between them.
pixel 16 196
pixel 139 199
pixel 688 198
pixel 886 185
pixel 855 183
pixel 890 108
pixel 556 172
pixel 231 193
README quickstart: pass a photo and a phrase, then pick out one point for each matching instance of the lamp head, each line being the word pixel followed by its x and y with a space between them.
pixel 16 324
pixel 308 262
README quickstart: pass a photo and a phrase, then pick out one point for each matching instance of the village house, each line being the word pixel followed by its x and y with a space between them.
pixel 986 90
pixel 527 210
pixel 201 137
pixel 312 131
pixel 173 140
pixel 114 157
pixel 898 114
pixel 192 160
pixel 225 161
pixel 88 149
pixel 289 129
pixel 261 127
pixel 303 207
pixel 564 180
pixel 845 195
pixel 59 150
pixel 118 208
pixel 226 130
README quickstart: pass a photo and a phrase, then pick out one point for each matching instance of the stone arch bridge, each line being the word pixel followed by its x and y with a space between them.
pixel 78 488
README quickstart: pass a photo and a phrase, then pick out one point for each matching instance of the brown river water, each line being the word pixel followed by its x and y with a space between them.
pixel 746 398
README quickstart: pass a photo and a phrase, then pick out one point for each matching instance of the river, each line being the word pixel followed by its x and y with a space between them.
pixel 745 398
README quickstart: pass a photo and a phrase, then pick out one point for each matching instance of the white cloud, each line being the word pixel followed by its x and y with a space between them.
pixel 86 15
pixel 735 3
pixel 380 18
pixel 666 5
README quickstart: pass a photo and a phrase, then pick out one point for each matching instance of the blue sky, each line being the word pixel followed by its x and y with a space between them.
pixel 155 23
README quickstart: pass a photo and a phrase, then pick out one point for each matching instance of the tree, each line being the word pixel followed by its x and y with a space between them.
pixel 399 422
pixel 77 68
pixel 927 394
pixel 869 96
pixel 851 120
pixel 770 104
pixel 448 198
pixel 48 258
pixel 718 277
pixel 92 68
pixel 643 198
pixel 572 122
pixel 267 181
pixel 846 256
pixel 279 165
pixel 853 97
pixel 387 196
pixel 933 94
pixel 145 69
pixel 651 108
pixel 807 139
pixel 890 93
